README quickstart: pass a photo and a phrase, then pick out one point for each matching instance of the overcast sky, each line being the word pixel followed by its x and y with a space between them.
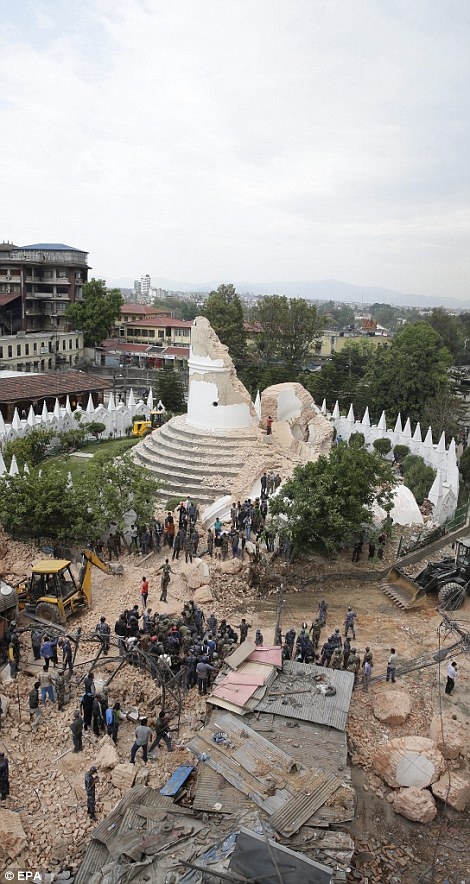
pixel 258 140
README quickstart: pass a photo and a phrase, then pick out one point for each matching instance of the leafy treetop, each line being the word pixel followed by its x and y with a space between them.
pixel 328 502
pixel 224 311
pixel 96 314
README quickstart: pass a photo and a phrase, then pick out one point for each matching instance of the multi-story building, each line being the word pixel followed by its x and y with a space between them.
pixel 37 283
pixel 145 287
pixel 160 330
pixel 40 351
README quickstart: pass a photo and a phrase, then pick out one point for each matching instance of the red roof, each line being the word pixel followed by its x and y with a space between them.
pixel 181 352
pixel 49 385
pixel 143 309
pixel 161 322
pixel 6 299
pixel 122 347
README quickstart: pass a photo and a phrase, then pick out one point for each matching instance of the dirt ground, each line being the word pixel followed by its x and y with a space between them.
pixel 47 790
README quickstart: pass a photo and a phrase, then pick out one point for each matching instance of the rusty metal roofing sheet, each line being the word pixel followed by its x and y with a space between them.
pixel 96 856
pixel 296 695
pixel 314 745
pixel 269 656
pixel 241 690
pixel 212 788
pixel 316 789
pixel 107 828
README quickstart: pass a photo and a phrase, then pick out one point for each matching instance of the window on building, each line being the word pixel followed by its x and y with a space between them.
pixel 18 349
pixel 10 350
pixel 76 343
pixel 35 348
pixel 64 344
pixel 152 333
pixel 161 333
pixel 26 349
pixel 70 343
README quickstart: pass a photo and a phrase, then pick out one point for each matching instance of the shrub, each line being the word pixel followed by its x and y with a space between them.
pixel 172 503
pixel 418 477
pixel 356 440
pixel 400 452
pixel 95 428
pixel 382 446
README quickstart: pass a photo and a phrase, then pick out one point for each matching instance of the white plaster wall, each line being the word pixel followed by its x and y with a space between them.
pixel 202 413
pixel 444 461
pixel 288 405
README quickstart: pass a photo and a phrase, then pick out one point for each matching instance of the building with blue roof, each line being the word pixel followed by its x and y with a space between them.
pixel 37 284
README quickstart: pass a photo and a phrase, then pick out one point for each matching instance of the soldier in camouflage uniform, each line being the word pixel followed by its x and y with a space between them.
pixel 354 662
pixel 315 631
pixel 59 685
pixel 224 545
pixel 337 659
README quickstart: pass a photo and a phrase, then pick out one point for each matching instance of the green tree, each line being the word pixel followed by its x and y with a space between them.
pixel 464 466
pixel 42 504
pixel 288 328
pixel 37 504
pixel 95 428
pixel 96 314
pixel 327 502
pixel 382 446
pixel 342 376
pixel 449 328
pixel 170 390
pixel 445 412
pixel 224 311
pixel 31 449
pixel 116 485
pixel 406 374
pixel 418 476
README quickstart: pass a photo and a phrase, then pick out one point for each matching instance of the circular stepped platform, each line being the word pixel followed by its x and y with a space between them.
pixel 183 458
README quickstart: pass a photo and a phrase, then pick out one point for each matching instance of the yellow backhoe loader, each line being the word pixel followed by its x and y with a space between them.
pixel 53 593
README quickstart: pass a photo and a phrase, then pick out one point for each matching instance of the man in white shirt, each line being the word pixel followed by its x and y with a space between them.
pixel 451 676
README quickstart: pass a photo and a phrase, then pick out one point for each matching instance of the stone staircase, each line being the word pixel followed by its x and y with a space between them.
pixel 185 459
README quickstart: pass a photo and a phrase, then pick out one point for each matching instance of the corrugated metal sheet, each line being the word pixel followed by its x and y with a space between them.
pixel 177 780
pixel 316 789
pixel 212 788
pixel 268 656
pixel 96 856
pixel 107 828
pixel 240 654
pixel 259 769
pixel 232 693
pixel 297 695
pixel 311 744
pixel 256 856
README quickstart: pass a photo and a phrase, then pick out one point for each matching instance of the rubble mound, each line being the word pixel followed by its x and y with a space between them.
pixel 452 789
pixel 450 736
pixel 392 707
pixel 409 761
pixel 13 835
pixel 414 804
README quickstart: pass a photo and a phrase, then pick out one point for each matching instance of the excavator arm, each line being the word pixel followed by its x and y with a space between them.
pixel 91 558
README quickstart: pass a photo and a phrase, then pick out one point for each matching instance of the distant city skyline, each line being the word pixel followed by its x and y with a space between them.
pixel 242 141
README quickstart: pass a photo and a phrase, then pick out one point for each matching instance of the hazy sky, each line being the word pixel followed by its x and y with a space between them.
pixel 241 139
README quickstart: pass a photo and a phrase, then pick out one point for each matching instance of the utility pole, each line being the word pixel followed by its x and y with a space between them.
pixel 277 628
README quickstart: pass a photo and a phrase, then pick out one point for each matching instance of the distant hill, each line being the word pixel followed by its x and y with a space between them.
pixel 320 290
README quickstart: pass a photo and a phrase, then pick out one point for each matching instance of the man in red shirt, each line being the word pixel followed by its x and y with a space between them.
pixel 269 424
pixel 144 590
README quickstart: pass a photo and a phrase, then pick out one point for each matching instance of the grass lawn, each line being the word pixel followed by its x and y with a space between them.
pixel 78 465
